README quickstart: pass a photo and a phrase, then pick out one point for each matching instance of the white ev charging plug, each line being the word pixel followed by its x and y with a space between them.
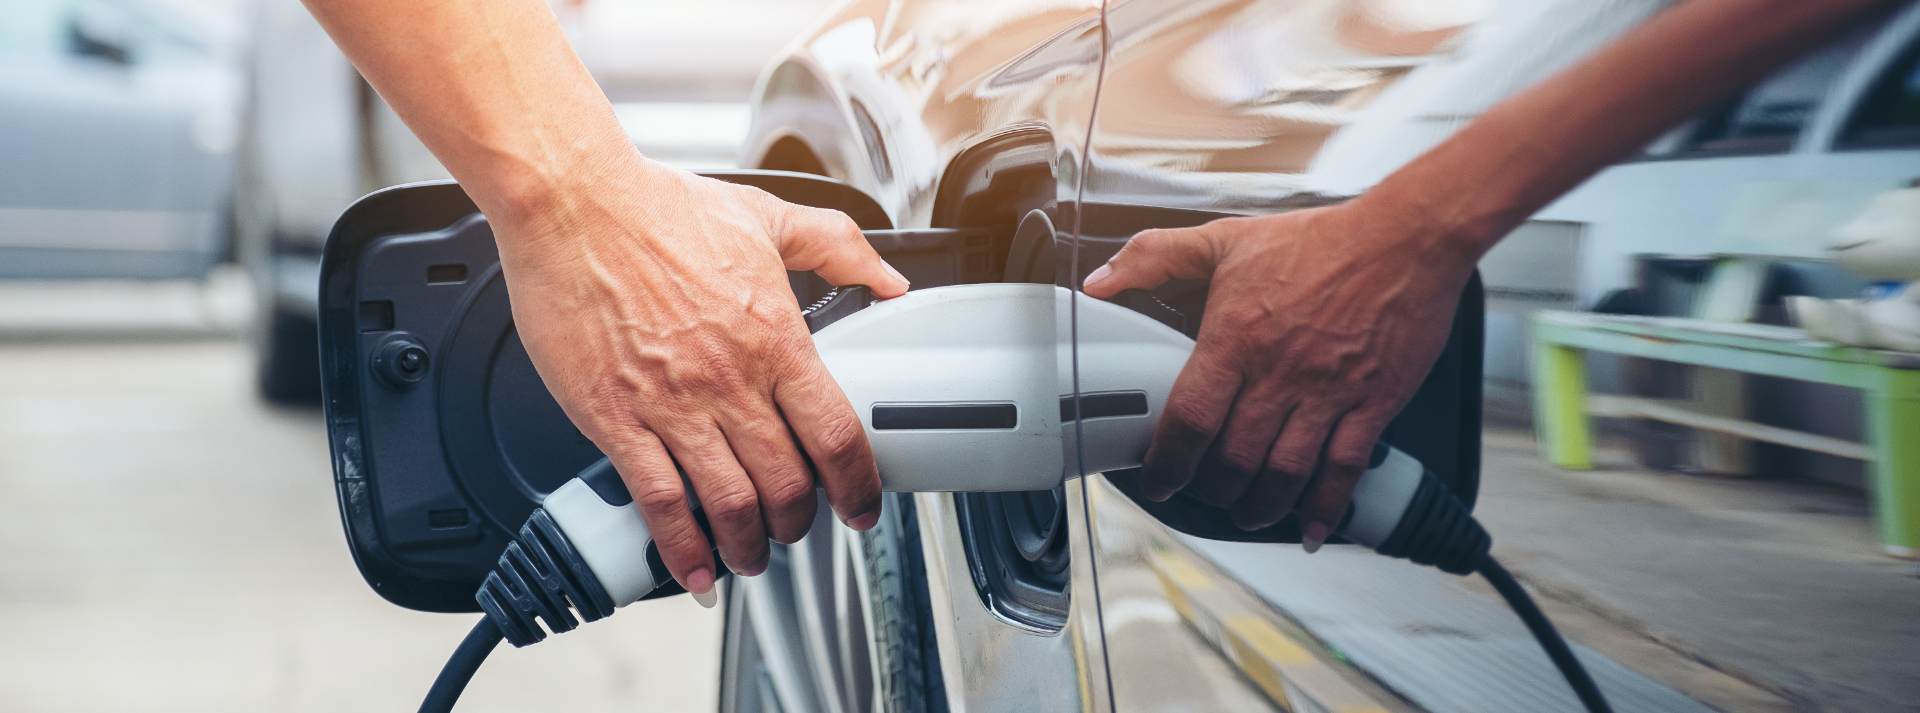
pixel 962 388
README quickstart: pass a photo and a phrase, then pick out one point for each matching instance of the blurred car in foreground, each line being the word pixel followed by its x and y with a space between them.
pixel 117 131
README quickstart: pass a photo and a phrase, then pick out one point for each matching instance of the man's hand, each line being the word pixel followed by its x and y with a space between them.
pixel 1320 325
pixel 656 308
pixel 654 304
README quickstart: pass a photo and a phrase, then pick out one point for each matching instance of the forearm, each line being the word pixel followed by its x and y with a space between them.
pixel 493 89
pixel 1472 189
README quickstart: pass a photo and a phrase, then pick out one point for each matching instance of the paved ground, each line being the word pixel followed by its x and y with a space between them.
pixel 172 544
pixel 1781 584
pixel 1741 595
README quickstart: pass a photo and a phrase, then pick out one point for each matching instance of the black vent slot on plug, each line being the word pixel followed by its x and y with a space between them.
pixel 945 417
pixel 1104 405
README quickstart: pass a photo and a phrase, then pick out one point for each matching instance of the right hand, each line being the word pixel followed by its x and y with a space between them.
pixel 656 307
pixel 1320 325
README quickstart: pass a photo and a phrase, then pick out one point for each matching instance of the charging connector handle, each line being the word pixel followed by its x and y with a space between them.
pixel 980 363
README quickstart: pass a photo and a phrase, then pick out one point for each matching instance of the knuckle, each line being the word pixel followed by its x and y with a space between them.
pixel 1142 240
pixel 685 543
pixel 1290 463
pixel 1187 418
pixel 734 509
pixel 1346 463
pixel 1153 238
pixel 842 440
pixel 842 226
pixel 1241 457
pixel 659 497
pixel 788 492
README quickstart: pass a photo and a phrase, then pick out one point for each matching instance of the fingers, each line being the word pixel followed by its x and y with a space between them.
pixel 1240 452
pixel 1324 504
pixel 1155 256
pixel 781 479
pixel 726 495
pixel 653 480
pixel 836 442
pixel 828 242
pixel 1195 409
pixel 1289 467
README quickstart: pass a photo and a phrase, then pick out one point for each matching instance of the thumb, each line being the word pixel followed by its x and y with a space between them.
pixel 829 243
pixel 1153 257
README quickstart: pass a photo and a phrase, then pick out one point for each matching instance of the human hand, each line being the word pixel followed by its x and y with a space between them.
pixel 1320 325
pixel 656 307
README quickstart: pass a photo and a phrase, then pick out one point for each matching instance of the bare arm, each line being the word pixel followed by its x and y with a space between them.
pixel 1321 323
pixel 654 303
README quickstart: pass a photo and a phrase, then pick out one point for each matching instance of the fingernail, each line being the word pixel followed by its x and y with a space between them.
pixel 1314 536
pixel 1158 494
pixel 1099 273
pixel 863 523
pixel 895 273
pixel 699 581
pixel 707 598
pixel 750 572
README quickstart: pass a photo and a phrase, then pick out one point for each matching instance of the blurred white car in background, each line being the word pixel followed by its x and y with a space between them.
pixel 117 126
pixel 315 136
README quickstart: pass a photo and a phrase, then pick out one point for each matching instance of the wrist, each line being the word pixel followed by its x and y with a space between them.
pixel 548 196
pixel 1443 240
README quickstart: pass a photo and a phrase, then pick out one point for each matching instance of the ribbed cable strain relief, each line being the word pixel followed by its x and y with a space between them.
pixel 1438 530
pixel 541 576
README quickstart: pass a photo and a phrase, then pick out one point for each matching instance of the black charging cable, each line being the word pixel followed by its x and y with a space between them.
pixel 539 577
pixel 1437 530
pixel 1543 630
pixel 459 669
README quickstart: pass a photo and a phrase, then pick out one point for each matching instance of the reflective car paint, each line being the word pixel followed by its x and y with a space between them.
pixel 1224 105
pixel 889 97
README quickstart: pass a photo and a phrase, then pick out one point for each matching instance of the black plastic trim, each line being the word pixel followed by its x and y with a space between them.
pixel 1106 404
pixel 945 417
pixel 605 482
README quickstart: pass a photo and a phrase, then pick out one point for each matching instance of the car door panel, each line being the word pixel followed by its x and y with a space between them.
pixel 899 100
pixel 1209 110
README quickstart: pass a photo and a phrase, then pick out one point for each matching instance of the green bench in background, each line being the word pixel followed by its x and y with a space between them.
pixel 1767 222
pixel 1890 382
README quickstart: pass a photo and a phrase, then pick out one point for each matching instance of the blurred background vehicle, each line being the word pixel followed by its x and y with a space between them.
pixel 117 128
pixel 314 136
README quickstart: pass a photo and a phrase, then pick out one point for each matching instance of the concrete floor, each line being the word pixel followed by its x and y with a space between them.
pixel 170 543
pixel 1780 585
